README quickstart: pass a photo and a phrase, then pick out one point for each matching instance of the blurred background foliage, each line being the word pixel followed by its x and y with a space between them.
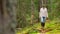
pixel 24 11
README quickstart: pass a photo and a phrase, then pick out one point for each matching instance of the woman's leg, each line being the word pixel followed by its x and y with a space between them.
pixel 43 21
pixel 42 24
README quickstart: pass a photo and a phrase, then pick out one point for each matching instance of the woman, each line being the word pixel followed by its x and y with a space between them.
pixel 43 14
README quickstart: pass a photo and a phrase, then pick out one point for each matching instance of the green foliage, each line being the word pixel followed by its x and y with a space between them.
pixel 24 16
pixel 54 25
pixel 24 11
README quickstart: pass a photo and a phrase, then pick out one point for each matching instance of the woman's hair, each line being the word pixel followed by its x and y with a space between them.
pixel 43 5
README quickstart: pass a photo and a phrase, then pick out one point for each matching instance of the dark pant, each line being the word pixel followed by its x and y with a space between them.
pixel 42 24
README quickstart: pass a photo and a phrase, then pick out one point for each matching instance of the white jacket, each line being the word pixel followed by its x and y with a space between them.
pixel 43 12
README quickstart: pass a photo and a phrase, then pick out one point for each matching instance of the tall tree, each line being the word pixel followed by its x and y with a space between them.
pixel 1 18
pixel 39 6
pixel 8 16
pixel 21 14
pixel 32 11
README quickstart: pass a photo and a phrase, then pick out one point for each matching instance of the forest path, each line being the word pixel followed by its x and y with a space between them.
pixel 50 28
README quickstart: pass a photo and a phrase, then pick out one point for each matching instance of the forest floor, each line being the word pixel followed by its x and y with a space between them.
pixel 52 27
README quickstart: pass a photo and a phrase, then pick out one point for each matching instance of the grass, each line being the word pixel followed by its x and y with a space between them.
pixel 54 25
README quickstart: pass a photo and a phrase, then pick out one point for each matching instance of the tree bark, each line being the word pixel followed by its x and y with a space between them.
pixel 1 18
pixel 7 16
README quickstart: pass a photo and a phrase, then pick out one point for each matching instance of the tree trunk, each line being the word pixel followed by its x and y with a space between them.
pixel 1 18
pixel 39 6
pixel 8 16
pixel 32 11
